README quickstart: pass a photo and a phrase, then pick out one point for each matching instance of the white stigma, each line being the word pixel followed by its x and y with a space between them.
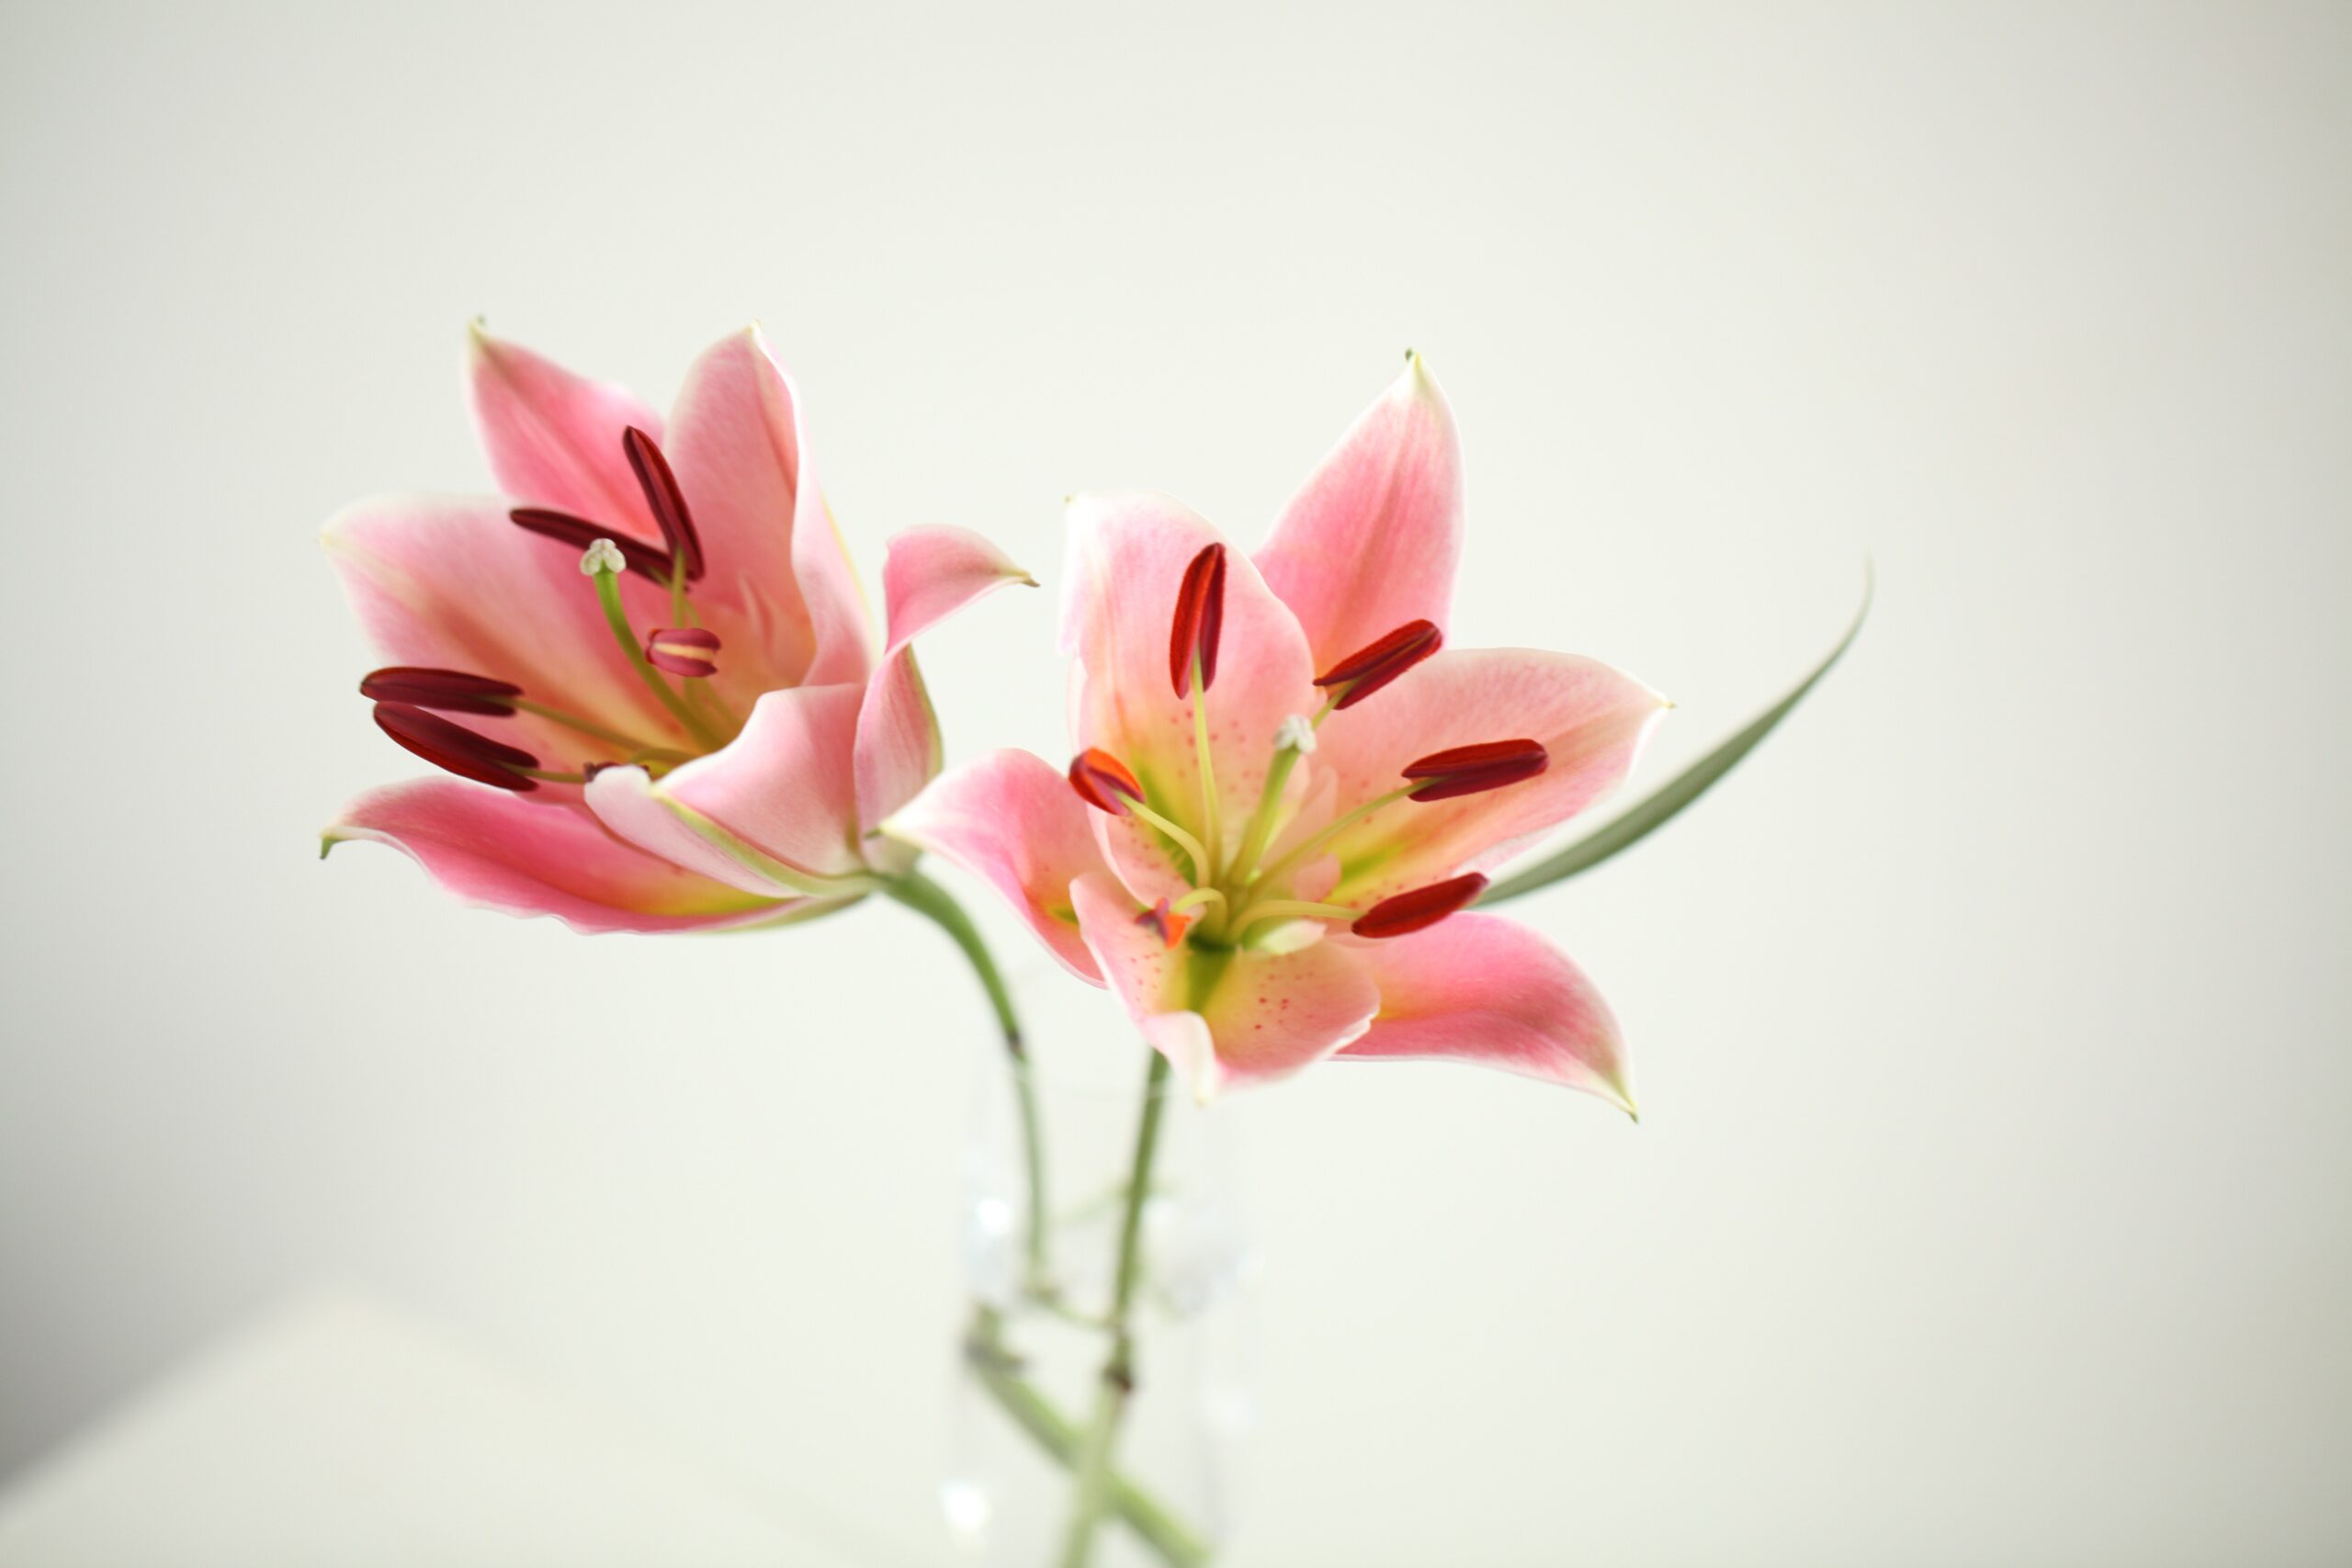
pixel 1297 733
pixel 604 556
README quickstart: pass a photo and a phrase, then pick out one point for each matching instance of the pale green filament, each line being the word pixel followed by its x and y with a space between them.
pixel 627 743
pixel 1209 870
pixel 1288 910
pixel 609 592
pixel 1183 840
pixel 1195 898
pixel 1336 828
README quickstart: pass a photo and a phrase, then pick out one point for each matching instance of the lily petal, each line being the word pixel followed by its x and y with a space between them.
pixel 899 745
pixel 449 582
pixel 529 859
pixel 1254 1017
pixel 1590 718
pixel 1010 818
pixel 1128 555
pixel 554 438
pixel 624 801
pixel 739 446
pixel 1486 990
pixel 1373 539
pixel 786 786
pixel 930 572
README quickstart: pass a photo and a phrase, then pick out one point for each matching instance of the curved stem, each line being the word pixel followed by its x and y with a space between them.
pixel 1094 1472
pixel 927 898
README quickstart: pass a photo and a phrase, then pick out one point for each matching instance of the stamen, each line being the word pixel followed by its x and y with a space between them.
pixel 1103 783
pixel 450 691
pixel 667 500
pixel 578 532
pixel 1165 924
pixel 1369 668
pixel 1472 770
pixel 455 748
pixel 1200 620
pixel 683 650
pixel 1420 909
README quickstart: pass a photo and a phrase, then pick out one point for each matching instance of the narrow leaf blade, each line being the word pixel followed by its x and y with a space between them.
pixel 1655 812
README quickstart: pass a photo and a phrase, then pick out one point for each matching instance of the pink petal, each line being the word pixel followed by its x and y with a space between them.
pixel 1265 1016
pixel 1010 818
pixel 624 802
pixel 1371 541
pixel 1128 554
pixel 1591 719
pixel 554 438
pixel 525 858
pixel 930 572
pixel 898 747
pixel 1483 989
pixel 786 787
pixel 451 583
pixel 739 445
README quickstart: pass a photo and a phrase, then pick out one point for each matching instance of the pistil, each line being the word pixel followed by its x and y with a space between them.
pixel 602 563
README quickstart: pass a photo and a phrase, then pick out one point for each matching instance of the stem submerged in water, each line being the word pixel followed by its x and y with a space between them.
pixel 926 897
pixel 1094 1475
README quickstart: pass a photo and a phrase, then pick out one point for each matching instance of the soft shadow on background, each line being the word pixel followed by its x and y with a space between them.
pixel 1991 1199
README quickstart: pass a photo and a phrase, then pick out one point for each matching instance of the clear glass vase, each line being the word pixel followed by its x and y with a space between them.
pixel 1076 1443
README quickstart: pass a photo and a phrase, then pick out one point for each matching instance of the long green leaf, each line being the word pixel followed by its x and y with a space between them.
pixel 1662 808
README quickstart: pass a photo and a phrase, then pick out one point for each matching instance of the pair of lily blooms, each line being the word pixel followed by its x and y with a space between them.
pixel 649 660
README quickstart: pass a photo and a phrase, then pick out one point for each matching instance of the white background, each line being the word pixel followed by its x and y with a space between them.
pixel 1991 1203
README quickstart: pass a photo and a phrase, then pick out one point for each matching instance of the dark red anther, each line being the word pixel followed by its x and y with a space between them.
pixel 645 560
pixel 450 691
pixel 1102 782
pixel 1420 909
pixel 683 650
pixel 1372 666
pixel 668 501
pixel 456 748
pixel 1472 770
pixel 1200 620
pixel 1165 924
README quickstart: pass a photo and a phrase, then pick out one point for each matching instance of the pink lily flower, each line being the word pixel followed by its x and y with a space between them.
pixel 651 650
pixel 1287 791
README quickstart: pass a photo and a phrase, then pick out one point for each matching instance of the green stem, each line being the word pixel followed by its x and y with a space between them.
pixel 1118 1370
pixel 926 897
pixel 997 1371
